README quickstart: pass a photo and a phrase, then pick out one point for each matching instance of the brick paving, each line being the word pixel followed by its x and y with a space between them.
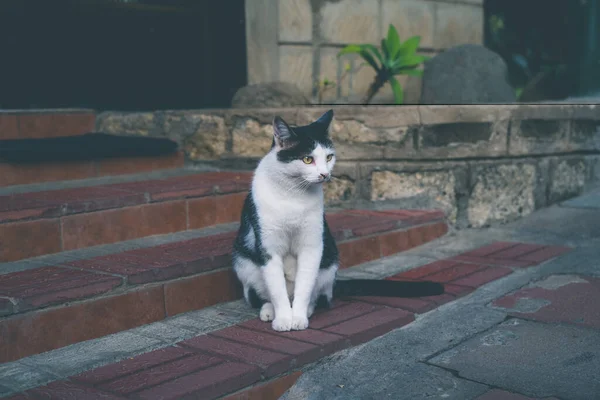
pixel 185 271
pixel 557 299
pixel 250 354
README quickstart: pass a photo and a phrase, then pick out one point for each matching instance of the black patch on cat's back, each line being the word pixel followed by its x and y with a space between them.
pixel 304 142
pixel 330 251
pixel 249 222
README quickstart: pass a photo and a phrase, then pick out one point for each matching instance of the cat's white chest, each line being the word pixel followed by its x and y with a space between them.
pixel 287 223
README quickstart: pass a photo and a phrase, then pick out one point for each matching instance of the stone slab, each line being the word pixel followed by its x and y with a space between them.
pixel 581 224
pixel 357 379
pixel 535 359
pixel 87 355
pixel 17 376
pixel 590 200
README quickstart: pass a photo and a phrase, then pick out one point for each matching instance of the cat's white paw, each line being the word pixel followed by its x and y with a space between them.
pixel 282 323
pixel 310 312
pixel 299 322
pixel 267 312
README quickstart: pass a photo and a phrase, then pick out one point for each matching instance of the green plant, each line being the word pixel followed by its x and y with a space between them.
pixel 395 58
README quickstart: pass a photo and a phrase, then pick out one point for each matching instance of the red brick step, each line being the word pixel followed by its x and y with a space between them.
pixel 54 123
pixel 23 174
pixel 47 222
pixel 250 360
pixel 58 304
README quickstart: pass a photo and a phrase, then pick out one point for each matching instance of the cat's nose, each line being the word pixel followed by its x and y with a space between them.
pixel 324 176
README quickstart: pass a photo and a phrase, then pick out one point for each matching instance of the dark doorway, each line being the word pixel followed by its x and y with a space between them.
pixel 121 54
pixel 547 45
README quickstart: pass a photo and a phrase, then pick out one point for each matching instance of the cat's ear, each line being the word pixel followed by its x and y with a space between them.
pixel 282 133
pixel 325 119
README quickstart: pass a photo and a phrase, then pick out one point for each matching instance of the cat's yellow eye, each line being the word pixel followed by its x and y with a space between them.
pixel 329 157
pixel 307 160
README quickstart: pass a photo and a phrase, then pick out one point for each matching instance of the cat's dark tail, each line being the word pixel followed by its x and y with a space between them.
pixel 383 288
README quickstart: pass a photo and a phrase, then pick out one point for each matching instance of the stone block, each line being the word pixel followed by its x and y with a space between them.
pixel 411 18
pixel 542 111
pixel 431 115
pixel 250 138
pixel 296 66
pixel 252 130
pixel 457 24
pixel 177 125
pixel 463 139
pixel 140 124
pixel 585 111
pixel 372 116
pixel 462 131
pixel 593 169
pixel 538 136
pixel 567 179
pixel 343 185
pixel 368 132
pixel 585 134
pixel 340 189
pixel 420 188
pixel 350 21
pixel 501 193
pixel 539 129
pixel 295 20
pixel 204 136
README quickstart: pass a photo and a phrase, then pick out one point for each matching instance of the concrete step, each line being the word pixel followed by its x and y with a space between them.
pixel 53 301
pixel 50 221
pixel 224 350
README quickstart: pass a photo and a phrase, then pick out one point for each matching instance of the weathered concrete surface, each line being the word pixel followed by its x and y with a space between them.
pixel 575 223
pixel 590 200
pixel 531 358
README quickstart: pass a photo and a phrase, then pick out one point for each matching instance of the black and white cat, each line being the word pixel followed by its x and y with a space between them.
pixel 284 254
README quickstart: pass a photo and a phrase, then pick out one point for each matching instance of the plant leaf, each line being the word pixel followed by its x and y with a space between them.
pixel 369 58
pixel 397 89
pixel 362 51
pixel 351 48
pixel 409 71
pixel 409 61
pixel 410 46
pixel 393 41
pixel 386 53
pixel 375 52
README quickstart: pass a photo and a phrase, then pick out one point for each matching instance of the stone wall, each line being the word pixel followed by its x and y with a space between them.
pixel 297 40
pixel 481 164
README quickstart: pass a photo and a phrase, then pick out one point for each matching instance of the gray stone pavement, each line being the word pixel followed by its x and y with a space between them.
pixel 474 348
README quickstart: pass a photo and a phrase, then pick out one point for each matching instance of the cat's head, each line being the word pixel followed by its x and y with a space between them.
pixel 305 152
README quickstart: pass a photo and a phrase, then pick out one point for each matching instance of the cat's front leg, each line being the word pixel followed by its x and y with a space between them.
pixel 307 271
pixel 275 281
